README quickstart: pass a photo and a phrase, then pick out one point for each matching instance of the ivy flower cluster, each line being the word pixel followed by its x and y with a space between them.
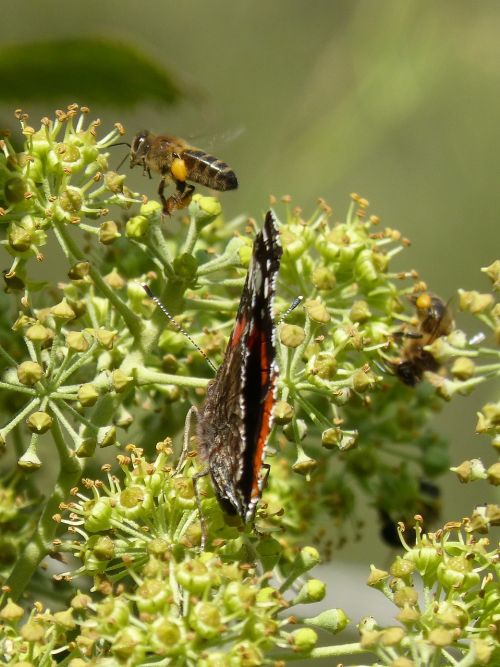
pixel 88 366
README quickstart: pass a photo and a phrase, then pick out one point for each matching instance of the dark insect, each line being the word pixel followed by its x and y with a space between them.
pixel 434 320
pixel 175 160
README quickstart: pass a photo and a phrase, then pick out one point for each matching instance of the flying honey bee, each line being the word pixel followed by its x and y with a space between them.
pixel 175 160
pixel 434 320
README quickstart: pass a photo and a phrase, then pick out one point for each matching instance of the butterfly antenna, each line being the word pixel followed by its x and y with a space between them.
pixel 292 306
pixel 177 325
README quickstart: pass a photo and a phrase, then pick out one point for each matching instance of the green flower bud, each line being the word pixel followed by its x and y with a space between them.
pixel 79 271
pixel 39 334
pixel 86 447
pixel 323 365
pixel 103 548
pixel 114 181
pixel 182 492
pixel 135 501
pixel 323 278
pixel 377 577
pixel 440 637
pixel 295 430
pixel 20 239
pixel 303 640
pixel 306 559
pixel 245 654
pixel 484 649
pixel 120 381
pixel 426 559
pixel 152 595
pixel 408 615
pixel 88 395
pixel 493 474
pixel 359 312
pixel 81 601
pixel 244 255
pixel 136 227
pixel 317 311
pixel 29 373
pixel 293 245
pixel 11 613
pixel 283 412
pixel 405 596
pixel 214 659
pixel 313 590
pixel 363 380
pixel 291 335
pixel 402 568
pixel 493 273
pixel 33 632
pixel 105 338
pixel 391 636
pixel 14 190
pixel 194 576
pixel 98 514
pixel 204 209
pixel 63 311
pixel 185 267
pixel 205 620
pixel 238 597
pixel 150 208
pixel 114 280
pixel 457 573
pixel 470 471
pixel 474 302
pixel 332 620
pixel 106 436
pixel 108 232
pixel 77 341
pixel 29 461
pixel 330 438
pixel 71 200
pixel 128 644
pixel 39 422
pixel 304 464
pixel 64 619
pixel 463 368
pixel 452 615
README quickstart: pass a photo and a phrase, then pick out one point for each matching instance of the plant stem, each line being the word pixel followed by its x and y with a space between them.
pixel 323 652
pixel 70 248
pixel 40 544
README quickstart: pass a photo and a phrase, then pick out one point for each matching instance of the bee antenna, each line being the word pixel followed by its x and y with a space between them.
pixel 176 324
pixel 292 306
pixel 120 143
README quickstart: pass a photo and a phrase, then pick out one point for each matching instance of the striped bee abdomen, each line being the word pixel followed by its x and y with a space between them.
pixel 208 170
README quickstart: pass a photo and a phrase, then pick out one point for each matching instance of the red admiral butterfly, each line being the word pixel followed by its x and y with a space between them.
pixel 235 421
pixel 236 418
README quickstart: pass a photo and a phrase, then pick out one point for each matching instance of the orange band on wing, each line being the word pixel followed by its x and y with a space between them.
pixel 267 408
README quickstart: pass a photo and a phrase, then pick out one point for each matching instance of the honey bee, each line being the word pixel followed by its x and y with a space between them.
pixel 434 320
pixel 175 160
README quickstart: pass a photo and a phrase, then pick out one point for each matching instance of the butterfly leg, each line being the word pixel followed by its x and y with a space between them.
pixel 203 523
pixel 193 411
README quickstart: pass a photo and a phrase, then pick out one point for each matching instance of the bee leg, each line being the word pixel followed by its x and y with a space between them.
pixel 183 194
pixel 167 204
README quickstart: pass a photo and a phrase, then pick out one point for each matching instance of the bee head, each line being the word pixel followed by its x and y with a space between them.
pixel 140 147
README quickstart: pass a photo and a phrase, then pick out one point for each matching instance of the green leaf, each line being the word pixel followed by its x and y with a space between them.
pixel 90 71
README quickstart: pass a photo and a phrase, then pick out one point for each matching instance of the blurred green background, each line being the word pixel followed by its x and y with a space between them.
pixel 398 100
